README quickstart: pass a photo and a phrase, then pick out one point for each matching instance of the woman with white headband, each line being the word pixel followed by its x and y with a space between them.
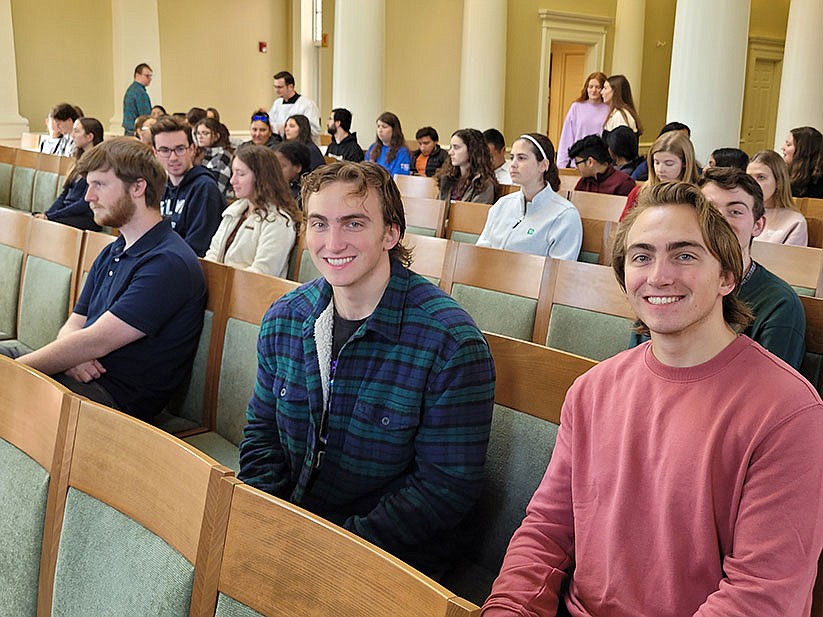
pixel 536 219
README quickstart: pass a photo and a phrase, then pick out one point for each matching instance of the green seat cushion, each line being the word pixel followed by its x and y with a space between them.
pixel 229 607
pixel 24 486
pixel 238 371
pixel 803 291
pixel 188 402
pixel 220 449
pixel 22 187
pixel 587 333
pixel 107 564
pixel 420 231
pixel 44 301
pixel 589 257
pixel 11 261
pixel 520 447
pixel 465 236
pixel 6 171
pixel 308 271
pixel 45 190
pixel 498 312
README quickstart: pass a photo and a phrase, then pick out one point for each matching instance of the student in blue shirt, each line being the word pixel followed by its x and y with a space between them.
pixel 389 148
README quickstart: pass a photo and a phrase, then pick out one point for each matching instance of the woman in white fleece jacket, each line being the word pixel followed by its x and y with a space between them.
pixel 258 230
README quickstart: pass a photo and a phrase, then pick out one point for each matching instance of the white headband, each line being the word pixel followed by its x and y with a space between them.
pixel 535 142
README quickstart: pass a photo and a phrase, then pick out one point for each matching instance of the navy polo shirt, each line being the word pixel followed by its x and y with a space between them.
pixel 156 286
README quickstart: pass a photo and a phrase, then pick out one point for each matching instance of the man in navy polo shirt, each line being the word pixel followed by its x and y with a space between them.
pixel 132 335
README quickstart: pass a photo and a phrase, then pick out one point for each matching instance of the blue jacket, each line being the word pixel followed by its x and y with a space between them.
pixel 71 207
pixel 194 207
pixel 401 164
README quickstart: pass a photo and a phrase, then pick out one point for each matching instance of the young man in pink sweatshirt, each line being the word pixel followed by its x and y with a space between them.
pixel 688 471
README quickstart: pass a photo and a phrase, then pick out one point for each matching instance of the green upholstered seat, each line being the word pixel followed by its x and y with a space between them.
pixel 520 447
pixel 587 333
pixel 229 607
pixel 44 301
pixel 23 489
pixel 6 173
pixel 498 312
pixel 238 370
pixel 185 409
pixel 420 231
pixel 308 271
pixel 589 257
pixel 465 236
pixel 44 191
pixel 22 188
pixel 107 564
pixel 803 291
pixel 11 262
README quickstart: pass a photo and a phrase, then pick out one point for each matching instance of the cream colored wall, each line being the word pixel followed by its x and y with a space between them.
pixel 657 57
pixel 210 57
pixel 326 62
pixel 422 60
pixel 63 53
pixel 768 18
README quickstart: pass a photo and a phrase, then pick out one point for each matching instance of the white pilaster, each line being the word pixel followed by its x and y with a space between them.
pixel 305 56
pixel 359 30
pixel 483 64
pixel 135 38
pixel 707 35
pixel 12 124
pixel 801 85
pixel 629 22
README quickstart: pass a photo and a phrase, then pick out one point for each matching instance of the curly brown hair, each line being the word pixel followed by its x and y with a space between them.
pixel 481 171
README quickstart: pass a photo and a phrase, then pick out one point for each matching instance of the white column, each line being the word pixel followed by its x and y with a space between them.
pixel 708 71
pixel 12 124
pixel 801 84
pixel 359 30
pixel 305 55
pixel 135 38
pixel 483 64
pixel 627 59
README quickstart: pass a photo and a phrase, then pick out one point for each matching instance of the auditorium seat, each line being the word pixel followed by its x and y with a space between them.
pixel 428 255
pixel 303 269
pixel 187 411
pixel 500 289
pixel 249 295
pixel 424 216
pixel 7 156
pixel 532 381
pixel 22 183
pixel 800 266
pixel 45 187
pixel 416 186
pixel 141 508
pixel 14 227
pixel 466 221
pixel 48 282
pixel 36 429
pixel 93 243
pixel 589 314
pixel 598 206
pixel 281 560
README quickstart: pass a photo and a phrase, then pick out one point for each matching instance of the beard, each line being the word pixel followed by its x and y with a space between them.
pixel 332 130
pixel 116 215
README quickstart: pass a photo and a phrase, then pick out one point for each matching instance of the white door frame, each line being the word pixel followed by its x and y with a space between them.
pixel 589 30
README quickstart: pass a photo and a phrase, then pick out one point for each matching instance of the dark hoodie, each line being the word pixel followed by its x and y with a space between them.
pixel 348 149
pixel 194 207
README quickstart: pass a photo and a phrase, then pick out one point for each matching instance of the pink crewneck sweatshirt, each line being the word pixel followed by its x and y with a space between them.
pixel 676 491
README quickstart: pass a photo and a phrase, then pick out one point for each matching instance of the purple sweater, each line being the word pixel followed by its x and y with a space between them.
pixel 583 119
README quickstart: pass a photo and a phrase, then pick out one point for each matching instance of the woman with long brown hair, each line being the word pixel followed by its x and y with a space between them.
pixel 803 153
pixel 467 175
pixel 617 93
pixel 785 224
pixel 259 229
pixel 71 207
pixel 586 116
pixel 389 148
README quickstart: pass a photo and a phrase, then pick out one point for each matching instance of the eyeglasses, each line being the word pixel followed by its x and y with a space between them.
pixel 260 118
pixel 166 152
pixel 579 162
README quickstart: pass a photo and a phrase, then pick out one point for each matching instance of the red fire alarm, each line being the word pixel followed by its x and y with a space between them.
pixel 324 40
pixel 262 47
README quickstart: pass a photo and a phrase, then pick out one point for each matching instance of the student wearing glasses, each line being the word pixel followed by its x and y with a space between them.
pixel 191 199
pixel 215 152
pixel 136 101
